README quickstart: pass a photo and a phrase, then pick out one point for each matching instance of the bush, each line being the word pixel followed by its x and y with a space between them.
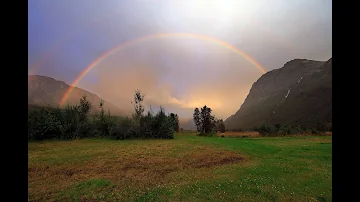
pixel 122 129
pixel 42 123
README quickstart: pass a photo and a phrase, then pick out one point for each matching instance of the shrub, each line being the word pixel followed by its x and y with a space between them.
pixel 42 124
pixel 285 130
pixel 121 129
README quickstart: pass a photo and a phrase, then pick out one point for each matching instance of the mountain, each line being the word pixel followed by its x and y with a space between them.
pixel 298 93
pixel 46 91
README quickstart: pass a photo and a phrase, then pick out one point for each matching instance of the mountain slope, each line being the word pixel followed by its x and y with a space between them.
pixel 298 93
pixel 46 91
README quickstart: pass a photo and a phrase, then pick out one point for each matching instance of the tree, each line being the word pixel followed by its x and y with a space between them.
pixel 84 108
pixel 196 118
pixel 207 121
pixel 83 111
pixel 204 121
pixel 138 106
pixel 175 119
pixel 101 106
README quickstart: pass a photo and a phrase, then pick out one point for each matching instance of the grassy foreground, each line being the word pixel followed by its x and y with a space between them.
pixel 187 168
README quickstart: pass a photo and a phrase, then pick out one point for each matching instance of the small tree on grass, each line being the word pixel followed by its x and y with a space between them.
pixel 204 121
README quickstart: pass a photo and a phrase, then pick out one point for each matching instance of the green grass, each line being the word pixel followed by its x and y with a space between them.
pixel 187 168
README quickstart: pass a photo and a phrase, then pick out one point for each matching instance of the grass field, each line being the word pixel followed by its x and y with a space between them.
pixel 187 168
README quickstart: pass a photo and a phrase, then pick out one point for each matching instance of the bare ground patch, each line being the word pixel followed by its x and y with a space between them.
pixel 140 167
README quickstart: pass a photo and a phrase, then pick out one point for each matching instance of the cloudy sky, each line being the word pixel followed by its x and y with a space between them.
pixel 177 71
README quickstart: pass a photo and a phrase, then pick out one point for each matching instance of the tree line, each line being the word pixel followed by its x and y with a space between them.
pixel 76 122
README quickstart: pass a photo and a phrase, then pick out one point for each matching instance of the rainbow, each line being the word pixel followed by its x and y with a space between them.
pixel 149 37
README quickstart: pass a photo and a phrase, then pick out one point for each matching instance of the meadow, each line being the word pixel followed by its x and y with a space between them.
pixel 186 168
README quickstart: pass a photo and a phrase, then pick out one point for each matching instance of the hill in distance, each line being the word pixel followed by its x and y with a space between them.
pixel 298 93
pixel 46 91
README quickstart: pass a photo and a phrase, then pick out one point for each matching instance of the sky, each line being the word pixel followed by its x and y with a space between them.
pixel 177 71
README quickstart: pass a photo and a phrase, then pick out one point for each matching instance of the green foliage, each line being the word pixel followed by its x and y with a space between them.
pixel 74 122
pixel 123 128
pixel 158 126
pixel 42 123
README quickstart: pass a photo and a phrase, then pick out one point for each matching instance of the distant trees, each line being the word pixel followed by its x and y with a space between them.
pixel 267 129
pixel 204 121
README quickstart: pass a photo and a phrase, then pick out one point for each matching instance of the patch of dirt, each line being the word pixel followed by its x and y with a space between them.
pixel 138 169
pixel 205 160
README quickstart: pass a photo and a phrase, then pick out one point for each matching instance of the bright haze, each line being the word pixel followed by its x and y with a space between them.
pixel 179 72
